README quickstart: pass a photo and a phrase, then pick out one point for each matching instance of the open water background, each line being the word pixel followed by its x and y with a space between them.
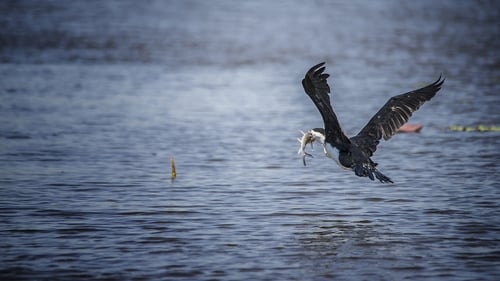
pixel 96 96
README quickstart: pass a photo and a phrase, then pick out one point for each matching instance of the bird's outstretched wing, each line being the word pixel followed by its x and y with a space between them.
pixel 396 112
pixel 317 89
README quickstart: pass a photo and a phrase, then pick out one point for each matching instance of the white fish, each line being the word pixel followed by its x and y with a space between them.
pixel 306 139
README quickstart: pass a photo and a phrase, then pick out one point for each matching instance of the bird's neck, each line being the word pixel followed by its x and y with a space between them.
pixel 333 153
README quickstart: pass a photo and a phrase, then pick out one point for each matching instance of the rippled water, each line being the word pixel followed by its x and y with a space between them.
pixel 96 96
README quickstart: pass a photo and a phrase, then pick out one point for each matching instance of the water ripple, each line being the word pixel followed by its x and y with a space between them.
pixel 101 95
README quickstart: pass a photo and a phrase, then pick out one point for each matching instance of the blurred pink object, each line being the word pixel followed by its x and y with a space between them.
pixel 410 128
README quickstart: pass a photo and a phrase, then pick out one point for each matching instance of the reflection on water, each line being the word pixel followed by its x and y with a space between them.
pixel 97 96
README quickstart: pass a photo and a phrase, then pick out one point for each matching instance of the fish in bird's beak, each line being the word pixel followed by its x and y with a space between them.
pixel 306 139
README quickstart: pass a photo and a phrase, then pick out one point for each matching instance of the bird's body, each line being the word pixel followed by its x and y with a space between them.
pixel 355 153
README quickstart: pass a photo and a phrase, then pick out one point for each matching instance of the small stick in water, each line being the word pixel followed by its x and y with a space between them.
pixel 172 163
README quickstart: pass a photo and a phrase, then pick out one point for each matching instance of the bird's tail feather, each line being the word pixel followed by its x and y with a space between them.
pixel 381 177
pixel 371 172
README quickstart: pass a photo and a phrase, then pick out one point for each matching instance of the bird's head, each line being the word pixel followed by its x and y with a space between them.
pixel 309 137
pixel 317 134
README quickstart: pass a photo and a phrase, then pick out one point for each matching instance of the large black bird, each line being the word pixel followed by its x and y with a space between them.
pixel 354 153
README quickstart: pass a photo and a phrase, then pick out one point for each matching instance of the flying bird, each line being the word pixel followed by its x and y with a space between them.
pixel 355 153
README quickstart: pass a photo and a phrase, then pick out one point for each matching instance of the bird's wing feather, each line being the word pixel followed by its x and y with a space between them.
pixel 396 112
pixel 317 88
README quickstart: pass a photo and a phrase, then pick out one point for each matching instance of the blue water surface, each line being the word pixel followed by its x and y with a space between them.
pixel 96 97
